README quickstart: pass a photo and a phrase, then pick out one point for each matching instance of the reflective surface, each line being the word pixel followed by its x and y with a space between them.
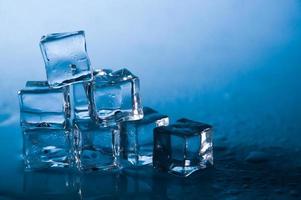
pixel 246 172
pixel 233 64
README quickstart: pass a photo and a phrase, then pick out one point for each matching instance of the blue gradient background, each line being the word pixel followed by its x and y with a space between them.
pixel 235 64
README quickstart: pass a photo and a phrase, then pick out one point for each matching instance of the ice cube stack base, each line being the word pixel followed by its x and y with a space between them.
pixel 93 120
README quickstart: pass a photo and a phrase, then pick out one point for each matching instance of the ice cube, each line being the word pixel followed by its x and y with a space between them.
pixel 66 59
pixel 79 103
pixel 97 148
pixel 42 106
pixel 137 137
pixel 115 97
pixel 183 148
pixel 46 148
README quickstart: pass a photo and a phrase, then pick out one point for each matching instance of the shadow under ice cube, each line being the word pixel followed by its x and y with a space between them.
pixel 183 148
pixel 97 148
pixel 42 106
pixel 46 148
pixel 137 137
pixel 66 59
pixel 115 97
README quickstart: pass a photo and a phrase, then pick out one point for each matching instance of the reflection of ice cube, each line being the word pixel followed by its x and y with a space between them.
pixel 45 148
pixel 49 185
pixel 115 96
pixel 132 186
pixel 183 148
pixel 137 137
pixel 97 148
pixel 42 106
pixel 66 59
pixel 99 185
pixel 79 101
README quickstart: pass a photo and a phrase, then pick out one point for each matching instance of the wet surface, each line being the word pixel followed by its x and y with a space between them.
pixel 239 172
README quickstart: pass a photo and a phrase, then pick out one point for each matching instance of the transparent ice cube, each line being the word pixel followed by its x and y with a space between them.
pixel 47 148
pixel 97 148
pixel 66 59
pixel 42 106
pixel 183 148
pixel 79 101
pixel 115 97
pixel 137 137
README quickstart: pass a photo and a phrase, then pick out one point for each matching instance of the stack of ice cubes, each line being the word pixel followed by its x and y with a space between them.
pixel 94 120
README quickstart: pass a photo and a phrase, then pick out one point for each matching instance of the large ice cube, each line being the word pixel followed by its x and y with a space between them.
pixel 79 101
pixel 66 59
pixel 183 148
pixel 42 106
pixel 115 97
pixel 46 148
pixel 137 137
pixel 97 148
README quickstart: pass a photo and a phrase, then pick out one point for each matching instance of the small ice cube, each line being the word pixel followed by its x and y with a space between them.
pixel 114 96
pixel 137 137
pixel 47 148
pixel 97 148
pixel 42 106
pixel 183 148
pixel 66 59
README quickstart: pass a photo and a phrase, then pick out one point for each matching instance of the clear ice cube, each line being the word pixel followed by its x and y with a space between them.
pixel 137 137
pixel 42 106
pixel 97 148
pixel 115 97
pixel 183 148
pixel 66 59
pixel 79 101
pixel 47 148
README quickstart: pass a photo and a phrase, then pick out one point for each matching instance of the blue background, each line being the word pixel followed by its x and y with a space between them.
pixel 234 64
